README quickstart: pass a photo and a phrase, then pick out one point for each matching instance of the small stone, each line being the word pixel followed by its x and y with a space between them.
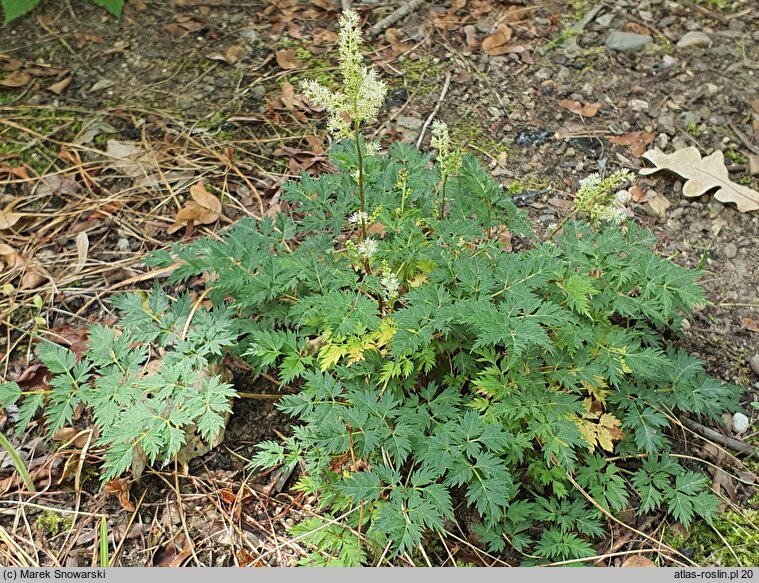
pixel 754 363
pixel 638 104
pixel 694 38
pixel 730 250
pixel 122 244
pixel 605 20
pixel 627 42
pixel 250 35
pixel 656 205
pixel 668 61
pixel 715 208
pixel 410 127
pixel 689 118
pixel 623 196
pixel 740 423
pixel 753 164
pixel 570 49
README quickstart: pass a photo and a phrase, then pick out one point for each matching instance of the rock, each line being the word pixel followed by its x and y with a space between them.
pixel 689 118
pixel 623 197
pixel 656 205
pixel 715 208
pixel 570 49
pixel 627 42
pixel 410 127
pixel 753 165
pixel 250 35
pixel 668 61
pixel 638 104
pixel 605 20
pixel 754 363
pixel 740 423
pixel 694 38
pixel 730 250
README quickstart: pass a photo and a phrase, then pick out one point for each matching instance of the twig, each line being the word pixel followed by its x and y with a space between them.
pixel 742 137
pixel 734 444
pixel 395 16
pixel 443 93
pixel 346 4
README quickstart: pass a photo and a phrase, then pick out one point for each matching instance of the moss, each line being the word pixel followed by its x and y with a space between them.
pixel 468 133
pixel 715 4
pixel 37 153
pixel 734 157
pixel 693 130
pixel 420 76
pixel 53 522
pixel 739 531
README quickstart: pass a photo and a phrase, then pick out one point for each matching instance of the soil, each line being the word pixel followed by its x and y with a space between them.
pixel 113 119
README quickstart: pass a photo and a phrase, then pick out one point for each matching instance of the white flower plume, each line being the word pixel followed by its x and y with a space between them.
pixel 362 93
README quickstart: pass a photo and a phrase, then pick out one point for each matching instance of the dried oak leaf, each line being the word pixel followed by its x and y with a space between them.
pixel 585 110
pixel 287 60
pixel 58 87
pixel 637 141
pixel 751 325
pixel 495 44
pixel 204 209
pixel 638 561
pixel 702 175
pixel 16 79
pixel 231 56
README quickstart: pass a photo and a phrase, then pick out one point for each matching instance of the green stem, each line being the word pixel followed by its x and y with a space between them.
pixel 441 212
pixel 360 155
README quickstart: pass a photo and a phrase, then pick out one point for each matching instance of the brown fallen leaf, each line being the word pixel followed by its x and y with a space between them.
pixel 286 59
pixel 132 159
pixel 16 79
pixel 116 486
pixel 7 217
pixel 76 437
pixel 585 110
pixel 58 87
pixel 751 325
pixel 231 56
pixel 637 28
pixel 11 64
pixel 204 209
pixel 82 249
pixel 495 44
pixel 397 46
pixel 702 175
pixel 34 276
pixel 637 141
pixel 17 171
pixel 637 561
pixel 10 258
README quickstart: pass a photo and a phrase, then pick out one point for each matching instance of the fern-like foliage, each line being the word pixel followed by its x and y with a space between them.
pixel 436 368
pixel 146 382
pixel 489 378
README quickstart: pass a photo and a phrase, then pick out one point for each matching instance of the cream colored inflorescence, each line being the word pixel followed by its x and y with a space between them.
pixel 363 92
pixel 449 159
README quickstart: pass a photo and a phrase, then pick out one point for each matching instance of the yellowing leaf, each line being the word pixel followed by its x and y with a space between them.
pixel 597 389
pixel 330 354
pixel 703 175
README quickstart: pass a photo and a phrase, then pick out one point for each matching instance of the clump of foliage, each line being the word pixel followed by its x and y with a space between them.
pixel 13 9
pixel 145 382
pixel 437 369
